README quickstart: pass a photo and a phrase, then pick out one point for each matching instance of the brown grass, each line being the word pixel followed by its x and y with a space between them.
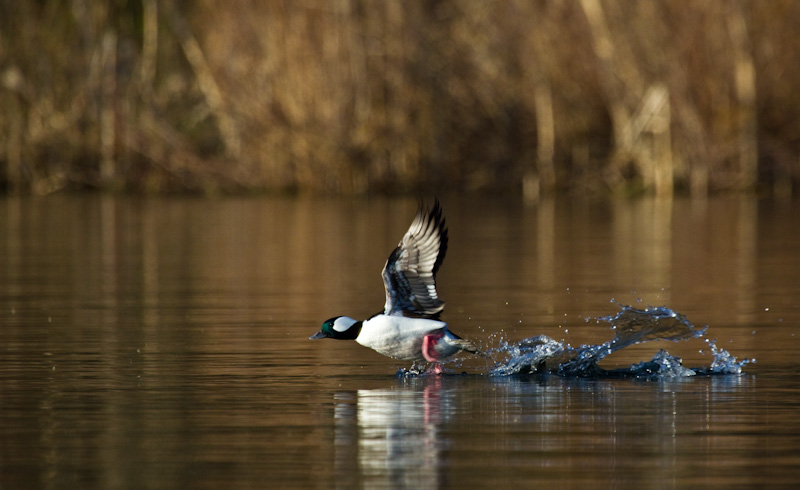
pixel 351 96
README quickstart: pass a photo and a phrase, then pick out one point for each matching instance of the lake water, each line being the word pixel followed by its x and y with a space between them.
pixel 161 342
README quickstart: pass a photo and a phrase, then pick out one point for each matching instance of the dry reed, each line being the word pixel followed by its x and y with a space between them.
pixel 357 96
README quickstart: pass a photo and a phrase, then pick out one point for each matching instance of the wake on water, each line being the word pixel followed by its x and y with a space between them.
pixel 543 355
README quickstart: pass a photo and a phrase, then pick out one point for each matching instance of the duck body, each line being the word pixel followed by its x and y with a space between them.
pixel 404 338
pixel 409 328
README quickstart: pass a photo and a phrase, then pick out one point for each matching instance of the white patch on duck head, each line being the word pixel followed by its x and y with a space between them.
pixel 343 323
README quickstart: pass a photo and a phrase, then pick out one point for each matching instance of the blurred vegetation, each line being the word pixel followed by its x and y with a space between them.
pixel 354 96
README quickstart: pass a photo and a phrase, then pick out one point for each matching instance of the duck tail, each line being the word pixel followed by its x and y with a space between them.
pixel 469 346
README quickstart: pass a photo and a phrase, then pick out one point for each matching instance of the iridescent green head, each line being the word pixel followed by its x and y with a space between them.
pixel 339 328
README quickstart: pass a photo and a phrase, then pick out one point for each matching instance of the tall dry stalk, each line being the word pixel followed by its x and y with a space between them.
pixel 354 96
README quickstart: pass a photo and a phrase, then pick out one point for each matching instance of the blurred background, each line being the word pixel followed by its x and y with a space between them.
pixel 360 96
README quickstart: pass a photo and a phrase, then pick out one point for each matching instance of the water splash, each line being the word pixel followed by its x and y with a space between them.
pixel 724 362
pixel 541 354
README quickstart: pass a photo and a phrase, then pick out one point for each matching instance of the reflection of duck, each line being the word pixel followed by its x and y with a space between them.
pixel 391 437
pixel 409 328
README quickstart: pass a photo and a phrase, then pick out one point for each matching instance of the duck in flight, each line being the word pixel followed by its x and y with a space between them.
pixel 409 328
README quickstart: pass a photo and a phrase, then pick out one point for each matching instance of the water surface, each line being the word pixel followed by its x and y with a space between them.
pixel 162 343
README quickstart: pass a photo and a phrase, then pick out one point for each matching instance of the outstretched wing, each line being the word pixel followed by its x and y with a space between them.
pixel 409 275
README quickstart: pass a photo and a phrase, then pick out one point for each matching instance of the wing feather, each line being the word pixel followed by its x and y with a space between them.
pixel 409 275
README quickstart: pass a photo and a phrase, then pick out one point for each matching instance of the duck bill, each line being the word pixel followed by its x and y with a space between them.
pixel 319 335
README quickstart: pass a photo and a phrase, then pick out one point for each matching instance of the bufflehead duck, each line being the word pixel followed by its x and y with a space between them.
pixel 409 328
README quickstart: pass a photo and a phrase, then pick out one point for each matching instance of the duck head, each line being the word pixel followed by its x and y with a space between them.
pixel 340 328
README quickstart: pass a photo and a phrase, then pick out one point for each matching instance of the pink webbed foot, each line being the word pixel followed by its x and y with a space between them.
pixel 429 350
